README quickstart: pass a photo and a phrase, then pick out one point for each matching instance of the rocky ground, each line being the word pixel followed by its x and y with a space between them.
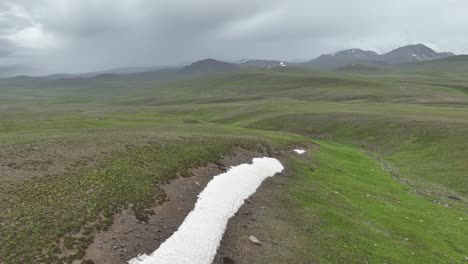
pixel 128 237
pixel 247 238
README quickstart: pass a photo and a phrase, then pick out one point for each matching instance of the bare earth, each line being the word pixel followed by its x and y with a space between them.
pixel 128 237
pixel 266 217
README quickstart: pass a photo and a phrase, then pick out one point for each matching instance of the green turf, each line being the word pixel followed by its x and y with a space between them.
pixel 354 212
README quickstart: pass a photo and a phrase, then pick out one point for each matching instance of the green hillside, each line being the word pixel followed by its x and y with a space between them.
pixel 88 147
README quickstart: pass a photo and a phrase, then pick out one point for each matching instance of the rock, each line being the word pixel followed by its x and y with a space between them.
pixel 88 261
pixel 227 260
pixel 454 198
pixel 255 241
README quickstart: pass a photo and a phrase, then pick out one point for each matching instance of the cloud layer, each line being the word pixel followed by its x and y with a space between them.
pixel 85 35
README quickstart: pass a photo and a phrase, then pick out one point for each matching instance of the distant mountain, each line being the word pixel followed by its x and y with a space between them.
pixel 261 64
pixel 131 70
pixel 454 64
pixel 209 66
pixel 447 54
pixel 413 53
pixel 117 71
pixel 405 54
pixel 343 58
pixel 455 58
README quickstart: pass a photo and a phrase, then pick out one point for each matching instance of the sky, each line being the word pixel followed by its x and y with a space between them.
pixel 51 36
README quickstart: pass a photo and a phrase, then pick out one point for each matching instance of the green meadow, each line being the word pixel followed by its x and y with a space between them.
pixel 385 180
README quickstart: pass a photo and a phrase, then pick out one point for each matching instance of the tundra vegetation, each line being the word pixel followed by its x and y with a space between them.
pixel 384 180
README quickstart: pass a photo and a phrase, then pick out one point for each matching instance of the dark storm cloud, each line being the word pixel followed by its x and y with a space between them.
pixel 84 35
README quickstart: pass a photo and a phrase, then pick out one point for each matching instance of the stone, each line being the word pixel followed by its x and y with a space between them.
pixel 454 198
pixel 227 260
pixel 255 241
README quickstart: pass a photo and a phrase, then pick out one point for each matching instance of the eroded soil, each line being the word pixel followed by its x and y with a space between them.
pixel 128 237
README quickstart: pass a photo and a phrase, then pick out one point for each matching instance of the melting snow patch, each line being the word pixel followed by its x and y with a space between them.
pixel 416 56
pixel 197 239
pixel 299 151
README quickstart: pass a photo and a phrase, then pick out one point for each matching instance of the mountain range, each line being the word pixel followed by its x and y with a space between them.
pixel 415 53
pixel 401 55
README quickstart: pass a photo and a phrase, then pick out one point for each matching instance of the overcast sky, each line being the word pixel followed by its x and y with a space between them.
pixel 49 36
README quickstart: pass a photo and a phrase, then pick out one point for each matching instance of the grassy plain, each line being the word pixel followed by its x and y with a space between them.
pixel 401 138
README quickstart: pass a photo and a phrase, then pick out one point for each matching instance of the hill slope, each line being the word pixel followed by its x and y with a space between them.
pixel 343 58
pixel 449 65
pixel 209 66
pixel 412 53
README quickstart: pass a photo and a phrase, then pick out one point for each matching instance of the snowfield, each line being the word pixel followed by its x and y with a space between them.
pixel 197 239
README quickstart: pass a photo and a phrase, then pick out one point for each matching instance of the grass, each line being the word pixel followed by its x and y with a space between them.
pixel 401 138
pixel 347 209
pixel 423 154
pixel 54 208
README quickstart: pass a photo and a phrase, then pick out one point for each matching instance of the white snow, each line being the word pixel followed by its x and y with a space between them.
pixel 416 56
pixel 197 239
pixel 299 151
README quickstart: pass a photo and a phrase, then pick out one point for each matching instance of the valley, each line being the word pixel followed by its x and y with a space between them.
pixel 383 179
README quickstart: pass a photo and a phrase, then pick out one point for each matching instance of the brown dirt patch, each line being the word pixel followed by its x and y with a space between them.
pixel 260 217
pixel 128 237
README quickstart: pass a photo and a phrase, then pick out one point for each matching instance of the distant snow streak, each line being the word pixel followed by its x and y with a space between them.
pixel 197 239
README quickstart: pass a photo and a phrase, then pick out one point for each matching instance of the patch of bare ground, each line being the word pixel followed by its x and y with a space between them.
pixel 253 235
pixel 21 162
pixel 128 237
